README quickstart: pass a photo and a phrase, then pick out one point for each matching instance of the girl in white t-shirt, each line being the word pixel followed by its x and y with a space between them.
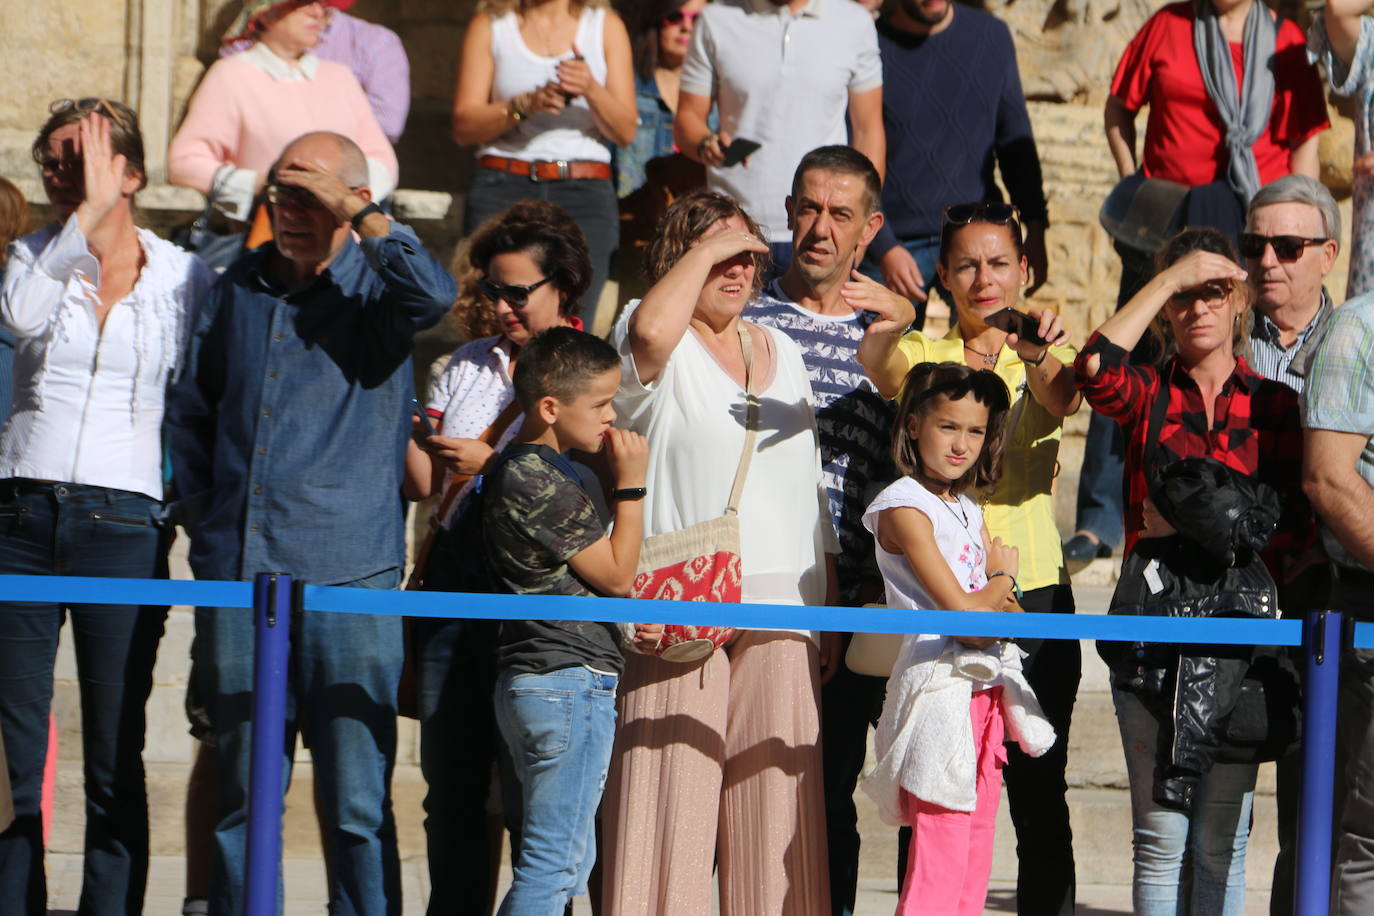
pixel 939 742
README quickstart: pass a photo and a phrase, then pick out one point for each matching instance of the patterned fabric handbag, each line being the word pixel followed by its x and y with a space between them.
pixel 701 562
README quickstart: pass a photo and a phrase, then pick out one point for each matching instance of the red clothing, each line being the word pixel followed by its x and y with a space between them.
pixel 1184 137
pixel 1255 430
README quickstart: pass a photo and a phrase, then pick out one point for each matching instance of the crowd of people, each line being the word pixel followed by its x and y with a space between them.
pixel 769 422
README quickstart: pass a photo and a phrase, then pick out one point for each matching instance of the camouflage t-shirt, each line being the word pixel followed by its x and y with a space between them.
pixel 536 515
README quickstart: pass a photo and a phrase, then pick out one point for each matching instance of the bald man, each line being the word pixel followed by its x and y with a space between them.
pixel 288 431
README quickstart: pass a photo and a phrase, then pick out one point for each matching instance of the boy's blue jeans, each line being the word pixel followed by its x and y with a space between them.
pixel 558 729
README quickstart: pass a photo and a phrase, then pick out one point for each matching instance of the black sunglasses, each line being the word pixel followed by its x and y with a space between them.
pixel 982 211
pixel 1286 247
pixel 513 294
pixel 677 16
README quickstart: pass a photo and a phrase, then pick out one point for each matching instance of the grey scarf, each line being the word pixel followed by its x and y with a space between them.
pixel 1244 114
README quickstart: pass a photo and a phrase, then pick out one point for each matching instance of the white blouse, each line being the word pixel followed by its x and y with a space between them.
pixel 469 395
pixel 693 416
pixel 88 402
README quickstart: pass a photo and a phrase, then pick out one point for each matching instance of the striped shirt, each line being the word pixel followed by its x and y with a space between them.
pixel 1340 391
pixel 1020 510
pixel 1270 358
pixel 853 420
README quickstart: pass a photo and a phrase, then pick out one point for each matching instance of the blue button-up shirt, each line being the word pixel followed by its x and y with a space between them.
pixel 288 427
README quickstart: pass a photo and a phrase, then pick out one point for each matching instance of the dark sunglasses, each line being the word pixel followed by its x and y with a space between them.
pixel 1286 247
pixel 1212 295
pixel 983 211
pixel 279 194
pixel 513 294
pixel 677 17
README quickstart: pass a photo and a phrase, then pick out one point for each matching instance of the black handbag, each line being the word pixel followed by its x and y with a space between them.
pixel 217 249
pixel 1212 570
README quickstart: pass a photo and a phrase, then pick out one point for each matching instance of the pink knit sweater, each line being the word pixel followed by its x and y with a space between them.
pixel 242 116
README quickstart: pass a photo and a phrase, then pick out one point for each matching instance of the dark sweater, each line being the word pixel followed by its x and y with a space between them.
pixel 952 103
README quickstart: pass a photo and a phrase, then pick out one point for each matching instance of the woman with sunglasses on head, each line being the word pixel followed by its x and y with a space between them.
pixel 544 88
pixel 101 310
pixel 249 106
pixel 1197 309
pixel 533 270
pixel 982 262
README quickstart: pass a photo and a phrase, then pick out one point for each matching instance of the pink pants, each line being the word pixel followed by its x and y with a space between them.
pixel 950 861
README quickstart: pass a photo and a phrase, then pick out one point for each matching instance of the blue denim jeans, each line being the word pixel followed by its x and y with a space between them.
pixel 77 530
pixel 558 729
pixel 1211 838
pixel 342 679
pixel 455 674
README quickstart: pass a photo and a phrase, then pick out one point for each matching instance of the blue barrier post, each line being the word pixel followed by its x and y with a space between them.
pixel 271 646
pixel 1321 637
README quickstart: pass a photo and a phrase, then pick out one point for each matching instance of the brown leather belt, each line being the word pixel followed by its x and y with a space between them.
pixel 547 169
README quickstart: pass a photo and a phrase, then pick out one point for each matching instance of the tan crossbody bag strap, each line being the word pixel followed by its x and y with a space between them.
pixel 751 418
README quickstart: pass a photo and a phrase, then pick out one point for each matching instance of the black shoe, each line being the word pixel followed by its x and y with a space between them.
pixel 1082 549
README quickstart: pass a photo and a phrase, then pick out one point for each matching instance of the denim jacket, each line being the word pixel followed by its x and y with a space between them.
pixel 288 427
pixel 654 138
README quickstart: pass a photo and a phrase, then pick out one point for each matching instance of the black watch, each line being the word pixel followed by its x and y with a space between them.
pixel 363 214
pixel 630 493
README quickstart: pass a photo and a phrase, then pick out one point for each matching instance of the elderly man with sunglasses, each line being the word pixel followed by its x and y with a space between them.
pixel 288 430
pixel 1292 234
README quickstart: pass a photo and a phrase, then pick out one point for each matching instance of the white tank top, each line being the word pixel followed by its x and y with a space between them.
pixel 572 133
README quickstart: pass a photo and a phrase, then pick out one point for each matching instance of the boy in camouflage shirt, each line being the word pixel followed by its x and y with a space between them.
pixel 543 535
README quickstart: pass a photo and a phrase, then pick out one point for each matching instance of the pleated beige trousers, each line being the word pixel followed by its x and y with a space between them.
pixel 718 761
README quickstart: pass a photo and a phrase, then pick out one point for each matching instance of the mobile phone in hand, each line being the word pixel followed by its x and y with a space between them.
pixel 1018 323
pixel 424 417
pixel 739 150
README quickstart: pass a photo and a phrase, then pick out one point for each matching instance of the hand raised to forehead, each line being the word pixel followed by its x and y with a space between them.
pixel 328 188
pixel 102 169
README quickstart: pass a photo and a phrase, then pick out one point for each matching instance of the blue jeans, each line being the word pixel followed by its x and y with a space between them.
pixel 1212 837
pixel 343 674
pixel 77 530
pixel 455 674
pixel 925 251
pixel 558 728
pixel 590 202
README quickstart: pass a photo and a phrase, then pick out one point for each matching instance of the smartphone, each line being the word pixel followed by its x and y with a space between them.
pixel 738 150
pixel 1018 323
pixel 424 417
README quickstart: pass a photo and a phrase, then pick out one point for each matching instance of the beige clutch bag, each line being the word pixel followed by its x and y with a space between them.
pixel 873 653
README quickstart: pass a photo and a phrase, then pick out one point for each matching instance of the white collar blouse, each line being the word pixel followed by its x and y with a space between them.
pixel 88 401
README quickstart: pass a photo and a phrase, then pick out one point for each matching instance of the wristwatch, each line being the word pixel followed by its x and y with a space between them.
pixel 363 214
pixel 630 493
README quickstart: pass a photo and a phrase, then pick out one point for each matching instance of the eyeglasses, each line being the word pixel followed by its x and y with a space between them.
pixel 1212 295
pixel 983 211
pixel 1286 247
pixel 84 106
pixel 513 294
pixel 282 194
pixel 678 17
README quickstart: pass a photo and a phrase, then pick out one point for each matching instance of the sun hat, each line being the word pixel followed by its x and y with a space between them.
pixel 241 27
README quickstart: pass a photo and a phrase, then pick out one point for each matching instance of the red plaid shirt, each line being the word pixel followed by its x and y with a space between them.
pixel 1255 430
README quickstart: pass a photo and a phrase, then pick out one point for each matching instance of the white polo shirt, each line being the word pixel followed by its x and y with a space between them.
pixel 782 80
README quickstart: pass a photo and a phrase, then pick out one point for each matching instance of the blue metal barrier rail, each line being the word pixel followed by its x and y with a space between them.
pixel 1320 634
pixel 1206 631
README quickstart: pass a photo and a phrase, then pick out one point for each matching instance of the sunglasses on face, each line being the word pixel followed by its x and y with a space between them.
pixel 678 17
pixel 513 294
pixel 988 212
pixel 281 195
pixel 1213 295
pixel 1286 247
